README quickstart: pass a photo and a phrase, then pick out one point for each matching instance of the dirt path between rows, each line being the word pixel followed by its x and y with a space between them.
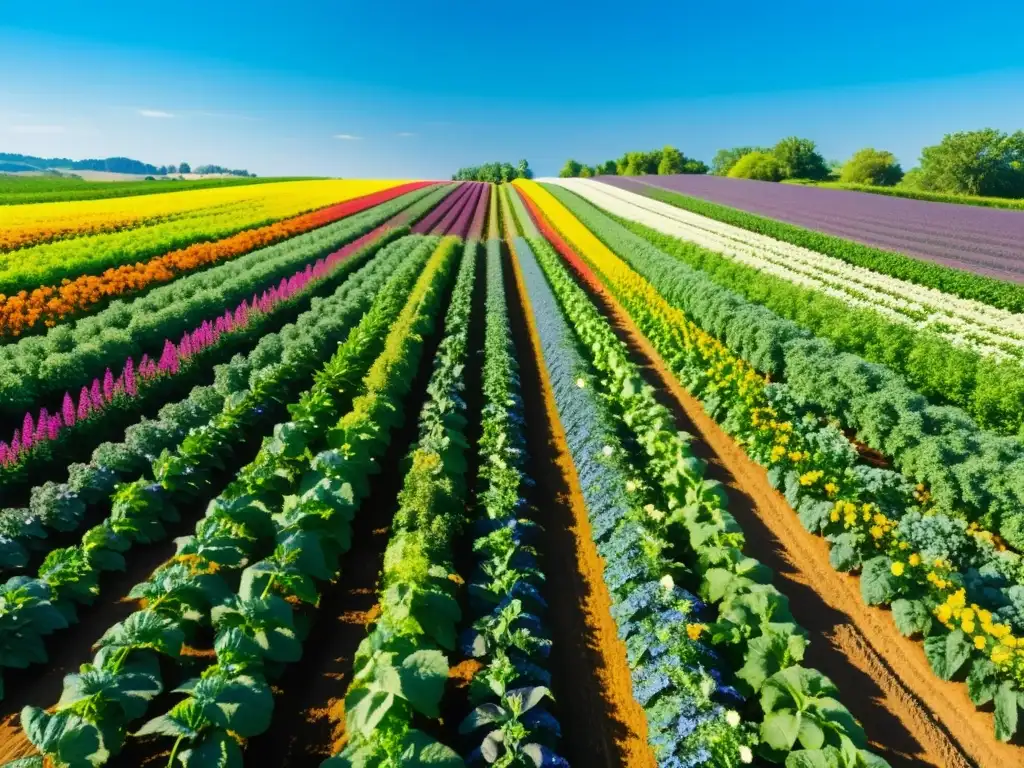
pixel 912 718
pixel 602 724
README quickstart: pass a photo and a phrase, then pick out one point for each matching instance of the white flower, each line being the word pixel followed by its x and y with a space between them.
pixel 746 756
pixel 667 582
pixel 581 383
pixel 654 514
pixel 732 717
pixel 630 486
pixel 607 450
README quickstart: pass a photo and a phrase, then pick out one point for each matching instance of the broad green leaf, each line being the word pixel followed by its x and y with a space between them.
pixel 215 750
pixel 781 729
pixel 877 583
pixel 422 751
pixel 911 616
pixel 947 653
pixel 423 675
pixel 1006 711
pixel 983 682
pixel 365 709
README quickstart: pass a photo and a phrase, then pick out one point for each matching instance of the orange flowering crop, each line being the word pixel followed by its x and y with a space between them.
pixel 52 303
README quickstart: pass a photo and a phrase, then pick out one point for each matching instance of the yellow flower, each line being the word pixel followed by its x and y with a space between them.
pixel 914 559
pixel 778 452
pixel 979 642
pixel 834 516
pixel 944 613
pixel 967 626
pixel 831 488
pixel 967 615
pixel 1001 655
pixel 897 568
pixel 1009 641
pixel 876 531
pixel 693 630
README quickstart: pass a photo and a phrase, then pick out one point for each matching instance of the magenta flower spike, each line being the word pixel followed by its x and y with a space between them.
pixel 5 454
pixel 68 410
pixel 16 444
pixel 108 386
pixel 28 430
pixel 129 378
pixel 53 427
pixel 84 404
pixel 96 395
pixel 42 426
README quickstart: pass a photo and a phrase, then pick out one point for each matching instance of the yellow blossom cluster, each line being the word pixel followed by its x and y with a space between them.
pixel 995 638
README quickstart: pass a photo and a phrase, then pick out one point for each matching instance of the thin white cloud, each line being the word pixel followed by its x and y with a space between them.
pixel 405 134
pixel 347 137
pixel 38 130
pixel 155 113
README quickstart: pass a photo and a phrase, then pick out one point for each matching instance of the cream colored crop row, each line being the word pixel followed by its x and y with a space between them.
pixel 988 330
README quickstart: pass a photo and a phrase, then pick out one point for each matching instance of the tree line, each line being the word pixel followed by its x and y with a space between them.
pixel 662 162
pixel 494 172
pixel 111 164
pixel 988 163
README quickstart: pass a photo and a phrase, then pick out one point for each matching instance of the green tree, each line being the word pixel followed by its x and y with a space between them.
pixel 671 162
pixel 523 170
pixel 872 166
pixel 586 171
pixel 508 172
pixel 987 162
pixel 172 169
pixel 725 159
pixel 184 168
pixel 698 167
pixel 762 166
pixel 799 159
pixel 607 168
pixel 570 170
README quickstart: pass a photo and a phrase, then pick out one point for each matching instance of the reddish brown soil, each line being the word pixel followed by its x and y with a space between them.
pixel 602 724
pixel 911 716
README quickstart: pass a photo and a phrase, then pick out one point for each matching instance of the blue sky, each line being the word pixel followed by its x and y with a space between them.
pixel 401 89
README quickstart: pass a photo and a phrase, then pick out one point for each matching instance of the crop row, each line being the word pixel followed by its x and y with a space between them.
pixel 968 473
pixel 939 351
pixel 508 635
pixel 986 329
pixel 987 290
pixel 660 525
pixel 943 578
pixel 41 371
pixel 259 543
pixel 28 224
pixel 47 305
pixel 187 450
pixel 401 667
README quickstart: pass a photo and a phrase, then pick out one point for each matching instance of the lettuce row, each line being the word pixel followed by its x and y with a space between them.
pixel 673 674
pixel 194 588
pixel 318 493
pixel 401 667
pixel 509 724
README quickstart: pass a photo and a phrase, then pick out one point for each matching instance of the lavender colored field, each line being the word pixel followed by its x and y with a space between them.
pixel 431 222
pixel 985 241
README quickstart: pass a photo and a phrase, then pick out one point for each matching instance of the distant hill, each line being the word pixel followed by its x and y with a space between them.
pixel 15 163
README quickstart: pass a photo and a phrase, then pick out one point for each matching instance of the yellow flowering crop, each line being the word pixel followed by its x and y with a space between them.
pixel 22 225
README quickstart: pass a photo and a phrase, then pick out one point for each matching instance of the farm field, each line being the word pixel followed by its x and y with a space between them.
pixel 557 472
pixel 985 241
